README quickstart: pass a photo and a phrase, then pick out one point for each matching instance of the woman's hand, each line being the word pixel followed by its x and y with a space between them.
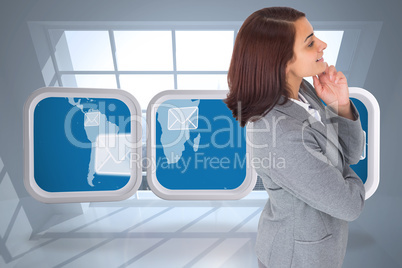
pixel 332 87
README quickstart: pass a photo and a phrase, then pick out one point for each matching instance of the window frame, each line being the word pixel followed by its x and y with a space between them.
pixel 353 62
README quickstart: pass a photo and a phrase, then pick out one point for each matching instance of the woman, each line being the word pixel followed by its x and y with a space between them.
pixel 313 193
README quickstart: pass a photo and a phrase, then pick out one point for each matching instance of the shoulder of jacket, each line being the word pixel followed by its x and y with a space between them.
pixel 278 122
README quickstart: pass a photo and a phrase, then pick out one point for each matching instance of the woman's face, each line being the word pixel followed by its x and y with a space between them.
pixel 308 52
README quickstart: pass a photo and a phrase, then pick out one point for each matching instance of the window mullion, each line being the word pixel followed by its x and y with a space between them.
pixel 174 58
pixel 53 57
pixel 113 48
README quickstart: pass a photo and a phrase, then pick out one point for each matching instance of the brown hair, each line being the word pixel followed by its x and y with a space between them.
pixel 257 72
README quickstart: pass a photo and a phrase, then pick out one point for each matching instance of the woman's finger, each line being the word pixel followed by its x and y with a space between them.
pixel 317 84
pixel 332 72
pixel 323 75
pixel 339 76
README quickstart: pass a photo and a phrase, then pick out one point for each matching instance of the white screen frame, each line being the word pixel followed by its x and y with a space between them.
pixel 79 196
pixel 244 189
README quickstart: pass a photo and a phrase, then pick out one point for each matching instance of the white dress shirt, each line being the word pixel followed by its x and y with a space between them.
pixel 304 103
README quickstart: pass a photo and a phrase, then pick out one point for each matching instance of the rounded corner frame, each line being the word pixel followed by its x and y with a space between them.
pixel 234 194
pixel 373 158
pixel 78 196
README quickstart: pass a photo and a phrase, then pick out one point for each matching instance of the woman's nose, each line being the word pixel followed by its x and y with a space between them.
pixel 323 45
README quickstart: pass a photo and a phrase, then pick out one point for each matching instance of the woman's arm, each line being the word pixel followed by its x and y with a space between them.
pixel 307 173
pixel 350 133
pixel 331 86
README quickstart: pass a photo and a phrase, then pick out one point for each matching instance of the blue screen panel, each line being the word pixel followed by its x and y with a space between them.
pixel 65 134
pixel 82 145
pixel 209 153
pixel 196 148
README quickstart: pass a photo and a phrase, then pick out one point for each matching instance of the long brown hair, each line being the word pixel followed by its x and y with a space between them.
pixel 257 72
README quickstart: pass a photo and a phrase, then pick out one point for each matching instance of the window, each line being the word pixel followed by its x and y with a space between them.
pixel 153 59
pixel 145 58
pixel 143 62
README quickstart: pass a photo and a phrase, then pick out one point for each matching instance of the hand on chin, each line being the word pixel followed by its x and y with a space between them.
pixel 331 86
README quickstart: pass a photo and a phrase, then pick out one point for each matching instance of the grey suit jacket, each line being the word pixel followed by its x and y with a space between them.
pixel 313 193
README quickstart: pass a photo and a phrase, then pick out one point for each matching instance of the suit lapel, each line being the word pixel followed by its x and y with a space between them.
pixel 329 130
pixel 296 111
pixel 315 102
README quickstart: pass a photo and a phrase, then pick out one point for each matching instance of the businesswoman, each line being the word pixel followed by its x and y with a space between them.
pixel 313 193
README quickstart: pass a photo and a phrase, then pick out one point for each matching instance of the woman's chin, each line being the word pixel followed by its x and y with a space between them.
pixel 321 70
pixel 324 66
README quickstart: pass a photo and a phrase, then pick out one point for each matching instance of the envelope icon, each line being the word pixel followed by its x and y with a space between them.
pixel 92 119
pixel 183 118
pixel 112 154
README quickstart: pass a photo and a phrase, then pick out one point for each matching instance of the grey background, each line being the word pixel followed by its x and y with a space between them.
pixel 20 75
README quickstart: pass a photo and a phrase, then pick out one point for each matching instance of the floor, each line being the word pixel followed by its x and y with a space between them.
pixel 144 231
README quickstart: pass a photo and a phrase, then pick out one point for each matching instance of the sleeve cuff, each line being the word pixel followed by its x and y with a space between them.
pixel 331 114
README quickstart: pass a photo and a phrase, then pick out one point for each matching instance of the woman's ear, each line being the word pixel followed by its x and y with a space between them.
pixel 287 69
pixel 288 66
